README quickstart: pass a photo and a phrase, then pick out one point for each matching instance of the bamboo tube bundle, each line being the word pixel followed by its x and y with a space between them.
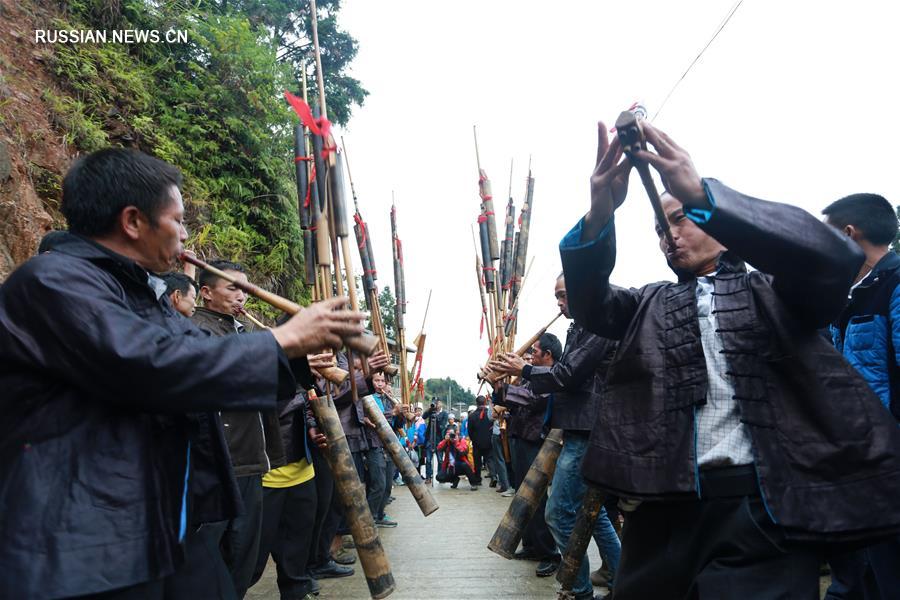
pixel 528 497
pixel 579 539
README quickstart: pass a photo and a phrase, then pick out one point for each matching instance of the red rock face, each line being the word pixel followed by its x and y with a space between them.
pixel 33 156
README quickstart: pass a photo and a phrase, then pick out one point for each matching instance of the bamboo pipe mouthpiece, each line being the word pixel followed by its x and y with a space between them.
pixel 364 343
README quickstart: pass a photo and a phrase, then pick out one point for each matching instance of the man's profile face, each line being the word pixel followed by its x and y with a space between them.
pixel 440 405
pixel 562 300
pixel 418 411
pixel 695 251
pixel 539 358
pixel 161 244
pixel 223 296
pixel 185 303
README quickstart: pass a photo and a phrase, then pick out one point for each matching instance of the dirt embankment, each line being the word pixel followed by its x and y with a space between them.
pixel 33 154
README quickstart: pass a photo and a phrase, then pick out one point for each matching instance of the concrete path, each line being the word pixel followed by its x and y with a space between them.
pixel 443 556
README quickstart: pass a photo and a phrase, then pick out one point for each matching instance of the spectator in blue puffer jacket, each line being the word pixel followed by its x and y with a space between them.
pixel 868 335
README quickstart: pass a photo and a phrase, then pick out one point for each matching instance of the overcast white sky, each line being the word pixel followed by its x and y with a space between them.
pixel 795 102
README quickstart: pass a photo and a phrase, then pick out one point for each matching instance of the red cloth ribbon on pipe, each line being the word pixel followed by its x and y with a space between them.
pixel 320 126
pixel 362 229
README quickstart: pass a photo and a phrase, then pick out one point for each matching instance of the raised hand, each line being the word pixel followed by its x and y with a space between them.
pixel 378 361
pixel 609 183
pixel 675 166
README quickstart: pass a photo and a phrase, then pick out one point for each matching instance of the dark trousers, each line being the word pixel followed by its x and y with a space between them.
pixel 370 467
pixel 289 516
pixel 389 471
pixel 536 537
pixel 717 548
pixel 452 473
pixel 871 573
pixel 480 457
pixel 240 538
pixel 320 544
pixel 202 575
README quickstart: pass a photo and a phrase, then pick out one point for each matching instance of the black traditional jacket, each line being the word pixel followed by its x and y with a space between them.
pixel 575 380
pixel 826 453
pixel 97 373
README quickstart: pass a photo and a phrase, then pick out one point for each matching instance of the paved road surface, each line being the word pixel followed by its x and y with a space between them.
pixel 443 556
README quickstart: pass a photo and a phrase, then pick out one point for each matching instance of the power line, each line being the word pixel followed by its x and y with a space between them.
pixel 693 62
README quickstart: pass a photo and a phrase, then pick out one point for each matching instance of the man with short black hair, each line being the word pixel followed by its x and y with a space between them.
pixel 868 334
pixel 253 437
pixel 182 292
pixel 98 371
pixel 574 382
pixel 527 429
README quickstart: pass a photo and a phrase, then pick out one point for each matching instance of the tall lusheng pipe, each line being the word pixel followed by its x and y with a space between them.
pixel 523 506
pixel 487 202
pixel 351 492
pixel 506 258
pixel 522 238
pixel 400 306
pixel 370 273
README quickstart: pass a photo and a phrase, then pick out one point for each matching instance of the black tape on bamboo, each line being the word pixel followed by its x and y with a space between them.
pixel 528 497
pixel 352 496
pixel 580 538
pixel 408 470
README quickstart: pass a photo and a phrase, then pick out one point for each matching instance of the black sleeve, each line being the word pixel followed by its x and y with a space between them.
pixel 812 265
pixel 90 337
pixel 594 303
pixel 581 362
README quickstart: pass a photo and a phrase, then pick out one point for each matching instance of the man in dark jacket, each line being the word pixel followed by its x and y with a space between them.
pixel 480 427
pixel 254 443
pixel 740 427
pixel 868 334
pixel 436 419
pixel 526 429
pixel 291 506
pixel 97 372
pixel 575 382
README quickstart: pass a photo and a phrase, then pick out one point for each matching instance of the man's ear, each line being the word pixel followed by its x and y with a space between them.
pixel 853 232
pixel 175 297
pixel 131 222
pixel 205 293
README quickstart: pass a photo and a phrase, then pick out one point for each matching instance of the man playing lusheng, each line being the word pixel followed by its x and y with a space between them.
pixel 253 437
pixel 97 372
pixel 726 411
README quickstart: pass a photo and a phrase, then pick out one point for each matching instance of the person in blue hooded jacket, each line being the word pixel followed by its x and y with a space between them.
pixel 868 335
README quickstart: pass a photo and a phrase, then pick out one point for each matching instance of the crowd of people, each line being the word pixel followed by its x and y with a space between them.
pixel 743 423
